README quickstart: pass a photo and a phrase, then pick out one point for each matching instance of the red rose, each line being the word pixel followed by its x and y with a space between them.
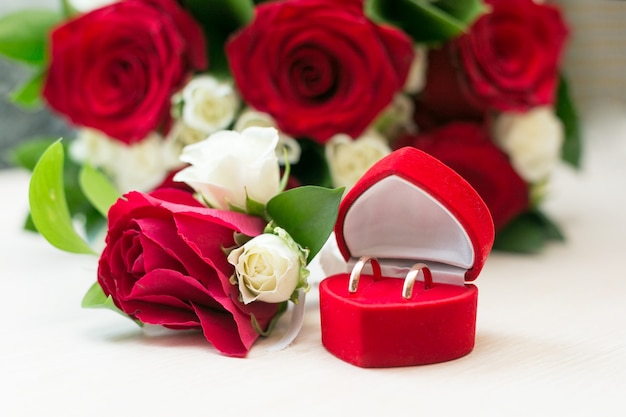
pixel 443 98
pixel 318 67
pixel 164 264
pixel 115 68
pixel 466 148
pixel 508 61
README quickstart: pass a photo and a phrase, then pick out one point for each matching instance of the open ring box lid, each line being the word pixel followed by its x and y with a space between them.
pixel 408 208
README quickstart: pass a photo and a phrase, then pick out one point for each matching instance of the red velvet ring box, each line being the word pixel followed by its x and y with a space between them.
pixel 407 209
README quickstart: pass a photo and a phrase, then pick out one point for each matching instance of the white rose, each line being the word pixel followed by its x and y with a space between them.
pixel 416 78
pixel 532 140
pixel 208 104
pixel 269 268
pixel 141 166
pixel 230 165
pixel 287 146
pixel 184 135
pixel 88 5
pixel 349 159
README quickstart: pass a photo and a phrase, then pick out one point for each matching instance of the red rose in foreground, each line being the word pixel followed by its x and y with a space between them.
pixel 115 68
pixel 318 67
pixel 508 61
pixel 164 264
pixel 466 148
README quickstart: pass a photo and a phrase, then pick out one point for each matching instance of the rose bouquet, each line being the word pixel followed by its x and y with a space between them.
pixel 475 83
pixel 339 83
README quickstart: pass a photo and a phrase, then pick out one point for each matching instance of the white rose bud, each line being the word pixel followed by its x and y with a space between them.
pixel 141 166
pixel 208 104
pixel 349 159
pixel 288 149
pixel 532 140
pixel 228 167
pixel 269 268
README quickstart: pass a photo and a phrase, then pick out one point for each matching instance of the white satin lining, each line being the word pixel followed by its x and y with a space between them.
pixel 395 219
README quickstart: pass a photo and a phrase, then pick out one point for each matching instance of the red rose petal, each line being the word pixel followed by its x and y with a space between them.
pixel 151 313
pixel 222 332
pixel 170 287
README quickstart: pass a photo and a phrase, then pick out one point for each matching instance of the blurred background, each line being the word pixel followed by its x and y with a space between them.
pixel 17 124
pixel 595 64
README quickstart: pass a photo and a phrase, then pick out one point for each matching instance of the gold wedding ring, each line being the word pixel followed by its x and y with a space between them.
pixel 411 277
pixel 358 268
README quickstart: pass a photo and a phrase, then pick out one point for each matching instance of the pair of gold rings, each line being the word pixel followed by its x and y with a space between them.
pixel 409 280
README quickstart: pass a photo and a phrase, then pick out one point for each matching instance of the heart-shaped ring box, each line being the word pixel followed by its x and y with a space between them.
pixel 408 214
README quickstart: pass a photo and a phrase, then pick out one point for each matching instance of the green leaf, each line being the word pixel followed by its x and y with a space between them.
pixel 219 19
pixel 29 225
pixel 307 213
pixel 426 20
pixel 27 154
pixel 571 151
pixel 550 229
pixel 48 205
pixel 29 94
pixel 24 35
pixel 98 189
pixel 254 207
pixel 95 298
pixel 528 233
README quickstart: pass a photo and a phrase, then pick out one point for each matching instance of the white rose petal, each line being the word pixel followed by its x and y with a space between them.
pixel 267 269
pixel 252 118
pixel 288 149
pixel 141 166
pixel 532 140
pixel 209 105
pixel 349 159
pixel 228 165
